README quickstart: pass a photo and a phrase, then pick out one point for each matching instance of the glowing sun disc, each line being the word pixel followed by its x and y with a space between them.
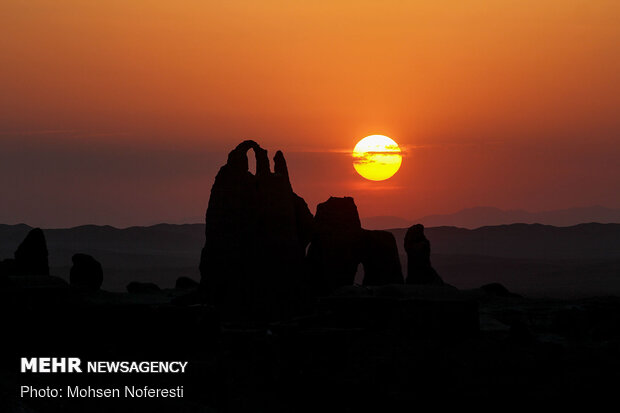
pixel 377 157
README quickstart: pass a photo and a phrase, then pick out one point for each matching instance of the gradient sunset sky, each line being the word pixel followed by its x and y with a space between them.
pixel 121 112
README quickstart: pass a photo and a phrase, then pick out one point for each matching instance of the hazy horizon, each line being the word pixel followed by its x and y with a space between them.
pixel 374 222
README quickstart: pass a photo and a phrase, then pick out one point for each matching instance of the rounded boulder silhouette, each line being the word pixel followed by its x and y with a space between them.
pixel 86 272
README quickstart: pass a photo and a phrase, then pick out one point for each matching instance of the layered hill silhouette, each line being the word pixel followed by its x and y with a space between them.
pixel 487 216
pixel 527 258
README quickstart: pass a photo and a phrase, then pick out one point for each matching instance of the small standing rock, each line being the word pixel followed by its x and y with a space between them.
pixel 418 247
pixel 31 255
pixel 86 272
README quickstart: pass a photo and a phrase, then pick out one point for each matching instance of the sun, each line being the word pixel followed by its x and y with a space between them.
pixel 377 157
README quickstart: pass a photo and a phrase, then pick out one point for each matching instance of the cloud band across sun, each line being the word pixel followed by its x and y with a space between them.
pixel 377 157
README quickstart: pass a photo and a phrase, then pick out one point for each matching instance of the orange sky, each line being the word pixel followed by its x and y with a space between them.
pixel 511 104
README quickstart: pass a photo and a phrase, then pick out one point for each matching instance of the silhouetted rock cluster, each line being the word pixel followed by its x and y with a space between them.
pixel 254 265
pixel 30 256
pixel 419 269
pixel 380 258
pixel 257 230
pixel 86 272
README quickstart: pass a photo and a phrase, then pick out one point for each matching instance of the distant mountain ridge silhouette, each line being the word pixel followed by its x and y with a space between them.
pixel 526 258
pixel 477 217
pixel 178 242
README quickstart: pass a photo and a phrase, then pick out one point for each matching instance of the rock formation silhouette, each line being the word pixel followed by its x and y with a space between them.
pixel 30 256
pixel 339 244
pixel 336 247
pixel 256 233
pixel 418 248
pixel 86 272
pixel 380 259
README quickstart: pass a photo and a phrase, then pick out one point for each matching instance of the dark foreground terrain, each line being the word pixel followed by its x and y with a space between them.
pixel 362 349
